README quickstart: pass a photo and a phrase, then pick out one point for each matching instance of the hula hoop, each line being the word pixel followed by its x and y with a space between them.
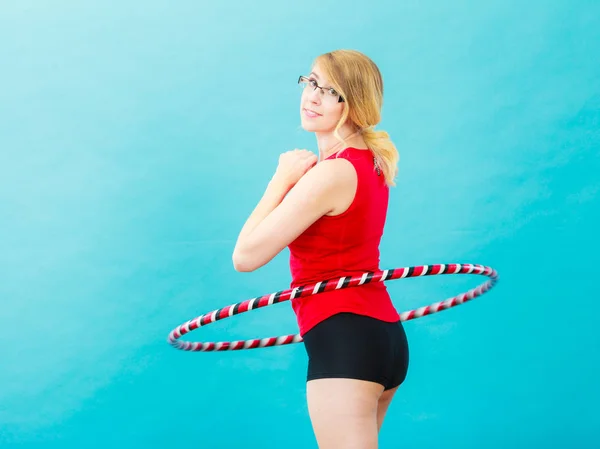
pixel 324 286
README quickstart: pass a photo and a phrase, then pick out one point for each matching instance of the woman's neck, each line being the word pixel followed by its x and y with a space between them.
pixel 328 144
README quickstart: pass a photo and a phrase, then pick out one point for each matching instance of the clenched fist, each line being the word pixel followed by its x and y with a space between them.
pixel 294 164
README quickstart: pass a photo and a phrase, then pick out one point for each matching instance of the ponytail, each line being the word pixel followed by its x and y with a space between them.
pixel 386 154
pixel 358 80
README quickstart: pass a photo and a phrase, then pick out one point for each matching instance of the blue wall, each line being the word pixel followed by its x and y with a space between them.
pixel 135 138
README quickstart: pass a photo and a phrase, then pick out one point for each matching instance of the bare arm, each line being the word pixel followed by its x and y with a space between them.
pixel 279 219
pixel 276 190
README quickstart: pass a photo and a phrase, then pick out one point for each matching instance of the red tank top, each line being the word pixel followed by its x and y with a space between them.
pixel 344 245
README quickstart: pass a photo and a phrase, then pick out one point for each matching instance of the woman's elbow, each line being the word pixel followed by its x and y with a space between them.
pixel 242 263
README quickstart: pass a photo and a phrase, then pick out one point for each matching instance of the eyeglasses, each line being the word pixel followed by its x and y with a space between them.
pixel 329 92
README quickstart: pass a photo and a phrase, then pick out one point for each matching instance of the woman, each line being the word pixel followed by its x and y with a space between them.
pixel 331 216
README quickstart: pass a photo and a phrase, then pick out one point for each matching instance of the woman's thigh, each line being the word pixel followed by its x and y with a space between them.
pixel 353 360
pixel 343 412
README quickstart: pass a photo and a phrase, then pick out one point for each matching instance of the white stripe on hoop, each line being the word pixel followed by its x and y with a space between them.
pixel 404 272
pixel 231 310
pixel 251 303
pixel 384 275
pixel 213 315
pixel 271 298
pixel 316 289
pixel 340 283
pixel 363 278
pixel 294 291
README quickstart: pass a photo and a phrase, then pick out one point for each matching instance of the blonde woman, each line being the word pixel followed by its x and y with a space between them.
pixel 330 212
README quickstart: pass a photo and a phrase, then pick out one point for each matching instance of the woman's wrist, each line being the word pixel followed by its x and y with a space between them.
pixel 279 182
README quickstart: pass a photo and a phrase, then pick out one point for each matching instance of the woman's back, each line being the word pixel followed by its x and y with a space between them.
pixel 344 245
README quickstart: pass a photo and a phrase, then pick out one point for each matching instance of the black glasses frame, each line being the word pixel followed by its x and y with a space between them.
pixel 316 86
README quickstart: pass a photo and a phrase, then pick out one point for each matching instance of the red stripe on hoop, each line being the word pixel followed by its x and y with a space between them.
pixel 351 281
pixel 377 276
pixel 244 306
pixel 451 267
pixel 436 269
pixel 224 312
pixel 329 286
pixel 284 296
pixel 418 271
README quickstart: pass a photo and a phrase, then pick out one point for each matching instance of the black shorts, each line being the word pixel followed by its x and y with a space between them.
pixel 353 346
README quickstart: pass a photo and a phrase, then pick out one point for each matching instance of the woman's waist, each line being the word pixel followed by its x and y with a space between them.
pixel 332 277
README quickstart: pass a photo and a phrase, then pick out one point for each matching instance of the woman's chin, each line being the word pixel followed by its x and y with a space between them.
pixel 309 127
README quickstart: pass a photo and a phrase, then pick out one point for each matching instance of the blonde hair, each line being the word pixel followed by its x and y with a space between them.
pixel 358 80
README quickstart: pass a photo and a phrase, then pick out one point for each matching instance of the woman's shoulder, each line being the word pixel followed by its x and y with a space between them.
pixel 351 152
pixel 330 175
pixel 339 170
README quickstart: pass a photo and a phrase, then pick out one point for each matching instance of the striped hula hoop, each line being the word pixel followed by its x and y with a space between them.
pixel 324 286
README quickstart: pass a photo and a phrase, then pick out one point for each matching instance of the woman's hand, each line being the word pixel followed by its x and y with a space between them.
pixel 293 165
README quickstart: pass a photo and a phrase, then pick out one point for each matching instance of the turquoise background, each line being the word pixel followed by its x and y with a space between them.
pixel 135 139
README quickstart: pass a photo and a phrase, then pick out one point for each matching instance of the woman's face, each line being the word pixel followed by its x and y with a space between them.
pixel 320 109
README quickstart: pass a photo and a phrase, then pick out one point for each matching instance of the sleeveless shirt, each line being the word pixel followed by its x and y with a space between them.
pixel 345 245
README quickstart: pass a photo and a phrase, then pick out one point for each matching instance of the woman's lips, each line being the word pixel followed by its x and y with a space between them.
pixel 310 114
